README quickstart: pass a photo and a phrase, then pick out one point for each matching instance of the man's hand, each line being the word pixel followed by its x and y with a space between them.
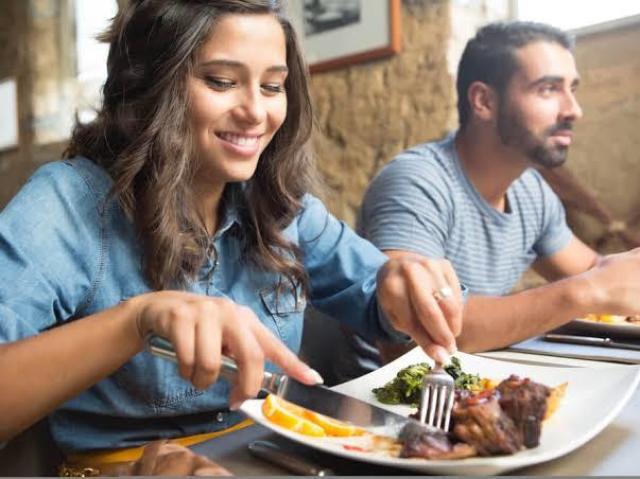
pixel 422 298
pixel 613 284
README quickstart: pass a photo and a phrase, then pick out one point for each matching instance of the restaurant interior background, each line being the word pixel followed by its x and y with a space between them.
pixel 366 112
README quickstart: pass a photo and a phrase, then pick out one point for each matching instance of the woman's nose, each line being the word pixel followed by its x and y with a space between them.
pixel 251 108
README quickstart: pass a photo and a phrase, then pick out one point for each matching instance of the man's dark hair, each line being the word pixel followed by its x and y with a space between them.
pixel 489 57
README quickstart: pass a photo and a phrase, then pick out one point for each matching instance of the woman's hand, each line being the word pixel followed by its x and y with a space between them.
pixel 162 458
pixel 202 328
pixel 422 298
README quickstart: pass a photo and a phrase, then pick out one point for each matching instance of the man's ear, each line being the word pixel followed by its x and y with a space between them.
pixel 483 101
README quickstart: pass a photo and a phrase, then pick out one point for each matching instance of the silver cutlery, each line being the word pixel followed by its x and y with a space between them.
pixel 317 398
pixel 590 341
pixel 436 400
pixel 290 461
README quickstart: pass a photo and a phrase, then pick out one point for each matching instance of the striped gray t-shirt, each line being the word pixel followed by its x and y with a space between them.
pixel 423 202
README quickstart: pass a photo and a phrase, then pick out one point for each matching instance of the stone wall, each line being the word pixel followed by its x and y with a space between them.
pixel 606 153
pixel 367 113
pixel 370 112
pixel 36 48
pixel 13 61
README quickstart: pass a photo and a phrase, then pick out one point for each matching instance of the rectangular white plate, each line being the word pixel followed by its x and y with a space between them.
pixel 593 398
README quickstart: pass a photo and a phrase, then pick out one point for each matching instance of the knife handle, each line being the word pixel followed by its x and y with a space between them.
pixel 162 347
pixel 291 462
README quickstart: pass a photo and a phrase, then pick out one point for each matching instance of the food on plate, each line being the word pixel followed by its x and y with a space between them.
pixel 553 401
pixel 430 443
pixel 304 421
pixel 613 318
pixel 525 402
pixel 406 386
pixel 286 415
pixel 488 417
pixel 480 421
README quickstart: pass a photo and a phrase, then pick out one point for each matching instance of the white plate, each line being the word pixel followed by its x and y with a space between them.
pixel 593 398
pixel 620 330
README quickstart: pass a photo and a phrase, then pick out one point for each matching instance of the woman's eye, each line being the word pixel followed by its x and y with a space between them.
pixel 219 83
pixel 273 87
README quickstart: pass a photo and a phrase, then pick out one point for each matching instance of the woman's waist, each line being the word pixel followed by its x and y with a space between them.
pixel 79 432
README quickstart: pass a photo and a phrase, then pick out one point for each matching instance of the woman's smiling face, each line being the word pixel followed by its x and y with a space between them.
pixel 237 96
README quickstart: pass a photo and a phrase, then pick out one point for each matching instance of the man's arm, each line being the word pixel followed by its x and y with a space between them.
pixel 574 259
pixel 613 286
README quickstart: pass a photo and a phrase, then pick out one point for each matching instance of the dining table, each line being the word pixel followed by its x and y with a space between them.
pixel 614 451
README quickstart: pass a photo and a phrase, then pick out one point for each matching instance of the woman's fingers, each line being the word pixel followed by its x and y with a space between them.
pixel 239 338
pixel 280 355
pixel 422 297
pixel 208 346
pixel 162 458
pixel 145 466
pixel 182 319
pixel 420 283
pixel 200 328
pixel 203 466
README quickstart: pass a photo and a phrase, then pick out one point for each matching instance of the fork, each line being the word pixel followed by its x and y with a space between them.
pixel 436 400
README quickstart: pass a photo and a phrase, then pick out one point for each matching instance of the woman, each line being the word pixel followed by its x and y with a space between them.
pixel 183 211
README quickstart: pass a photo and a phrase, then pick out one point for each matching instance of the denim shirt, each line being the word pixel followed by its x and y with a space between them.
pixel 68 251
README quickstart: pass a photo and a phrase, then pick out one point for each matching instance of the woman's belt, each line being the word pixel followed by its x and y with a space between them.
pixel 95 463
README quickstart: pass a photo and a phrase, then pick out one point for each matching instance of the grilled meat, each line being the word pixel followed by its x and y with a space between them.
pixel 431 443
pixel 525 402
pixel 480 421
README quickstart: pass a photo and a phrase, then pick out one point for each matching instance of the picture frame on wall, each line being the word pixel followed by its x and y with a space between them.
pixel 339 33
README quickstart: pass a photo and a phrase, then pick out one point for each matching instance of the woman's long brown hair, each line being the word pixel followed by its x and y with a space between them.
pixel 142 137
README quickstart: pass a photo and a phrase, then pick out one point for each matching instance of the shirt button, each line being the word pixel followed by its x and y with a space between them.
pixel 220 417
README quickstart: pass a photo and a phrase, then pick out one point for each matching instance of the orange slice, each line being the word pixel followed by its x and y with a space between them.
pixel 283 414
pixel 333 427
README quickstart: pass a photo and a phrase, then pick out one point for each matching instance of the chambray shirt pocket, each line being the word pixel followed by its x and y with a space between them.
pixel 287 312
pixel 155 382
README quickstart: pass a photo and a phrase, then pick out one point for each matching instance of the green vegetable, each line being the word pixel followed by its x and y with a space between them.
pixel 461 379
pixel 406 386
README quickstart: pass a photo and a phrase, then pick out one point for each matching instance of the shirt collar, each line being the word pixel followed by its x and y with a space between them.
pixel 232 198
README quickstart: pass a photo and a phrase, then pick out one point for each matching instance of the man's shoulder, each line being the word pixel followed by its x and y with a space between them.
pixel 430 162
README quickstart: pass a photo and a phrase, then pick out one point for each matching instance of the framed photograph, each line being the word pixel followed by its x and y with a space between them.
pixel 337 33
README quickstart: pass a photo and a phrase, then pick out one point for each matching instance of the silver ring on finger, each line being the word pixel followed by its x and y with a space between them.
pixel 443 293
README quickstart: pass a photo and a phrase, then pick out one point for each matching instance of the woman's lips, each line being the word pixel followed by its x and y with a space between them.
pixel 240 144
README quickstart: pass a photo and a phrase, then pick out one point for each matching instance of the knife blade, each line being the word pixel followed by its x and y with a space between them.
pixel 318 398
pixel 590 341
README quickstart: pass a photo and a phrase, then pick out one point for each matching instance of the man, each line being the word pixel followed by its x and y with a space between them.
pixel 474 198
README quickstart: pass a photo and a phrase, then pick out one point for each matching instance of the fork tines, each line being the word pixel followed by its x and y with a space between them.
pixel 437 397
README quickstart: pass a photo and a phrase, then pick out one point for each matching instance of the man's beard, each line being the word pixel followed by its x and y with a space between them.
pixel 514 133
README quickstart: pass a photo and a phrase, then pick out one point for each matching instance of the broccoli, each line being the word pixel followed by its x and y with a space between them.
pixel 406 386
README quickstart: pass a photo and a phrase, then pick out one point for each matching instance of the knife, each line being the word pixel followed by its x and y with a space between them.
pixel 590 341
pixel 291 462
pixel 317 398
